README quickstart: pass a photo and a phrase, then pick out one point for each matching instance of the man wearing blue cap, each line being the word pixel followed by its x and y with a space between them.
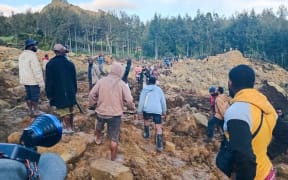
pixel 31 76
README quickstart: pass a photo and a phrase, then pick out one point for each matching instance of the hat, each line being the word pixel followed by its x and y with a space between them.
pixel 50 165
pixel 242 76
pixel 60 48
pixel 30 42
pixel 212 89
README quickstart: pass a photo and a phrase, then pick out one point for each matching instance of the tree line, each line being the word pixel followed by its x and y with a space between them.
pixel 260 36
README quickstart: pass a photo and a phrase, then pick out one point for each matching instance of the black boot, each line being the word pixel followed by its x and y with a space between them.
pixel 159 142
pixel 146 133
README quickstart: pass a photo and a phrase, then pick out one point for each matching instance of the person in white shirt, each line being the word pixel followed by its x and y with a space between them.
pixel 31 76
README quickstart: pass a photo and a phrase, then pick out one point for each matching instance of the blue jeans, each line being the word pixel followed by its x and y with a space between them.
pixel 211 125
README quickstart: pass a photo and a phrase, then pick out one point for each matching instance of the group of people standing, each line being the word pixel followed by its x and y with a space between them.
pixel 109 96
pixel 60 82
pixel 253 134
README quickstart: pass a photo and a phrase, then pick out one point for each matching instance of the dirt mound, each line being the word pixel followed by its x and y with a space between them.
pixel 186 89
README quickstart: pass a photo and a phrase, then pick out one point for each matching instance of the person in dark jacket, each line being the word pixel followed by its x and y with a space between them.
pixel 61 86
pixel 127 70
pixel 89 72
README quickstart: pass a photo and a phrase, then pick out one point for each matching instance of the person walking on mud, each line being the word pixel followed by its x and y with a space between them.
pixel 222 102
pixel 212 98
pixel 94 73
pixel 31 76
pixel 152 104
pixel 127 71
pixel 61 86
pixel 101 63
pixel 112 92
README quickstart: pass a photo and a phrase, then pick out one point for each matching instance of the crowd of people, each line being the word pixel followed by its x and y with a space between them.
pixel 253 133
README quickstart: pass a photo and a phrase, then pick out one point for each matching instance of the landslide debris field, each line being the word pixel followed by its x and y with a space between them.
pixel 185 155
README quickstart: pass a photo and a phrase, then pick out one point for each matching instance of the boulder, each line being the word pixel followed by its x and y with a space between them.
pixel 4 104
pixel 14 138
pixel 170 147
pixel 71 147
pixel 201 119
pixel 277 87
pixel 106 169
pixel 185 121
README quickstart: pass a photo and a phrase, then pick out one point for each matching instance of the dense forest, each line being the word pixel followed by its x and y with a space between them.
pixel 260 36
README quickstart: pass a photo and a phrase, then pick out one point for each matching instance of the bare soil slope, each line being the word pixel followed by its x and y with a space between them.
pixel 186 93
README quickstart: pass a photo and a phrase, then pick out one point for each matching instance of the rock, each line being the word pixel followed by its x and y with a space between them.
pixel 4 104
pixel 185 122
pixel 70 148
pixel 14 138
pixel 267 67
pixel 277 87
pixel 201 119
pixel 174 101
pixel 105 169
pixel 282 170
pixel 170 147
pixel 17 91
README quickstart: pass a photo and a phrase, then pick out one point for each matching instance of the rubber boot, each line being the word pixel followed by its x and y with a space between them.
pixel 146 133
pixel 159 142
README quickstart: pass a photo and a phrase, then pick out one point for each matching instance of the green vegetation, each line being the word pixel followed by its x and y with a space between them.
pixel 261 36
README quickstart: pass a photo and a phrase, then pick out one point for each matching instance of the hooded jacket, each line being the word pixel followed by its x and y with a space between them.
pixel 152 100
pixel 241 120
pixel 111 94
pixel 222 103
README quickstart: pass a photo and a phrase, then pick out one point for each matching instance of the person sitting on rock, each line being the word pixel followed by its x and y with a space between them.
pixel 152 104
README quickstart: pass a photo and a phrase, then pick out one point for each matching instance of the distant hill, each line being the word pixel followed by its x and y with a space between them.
pixel 64 4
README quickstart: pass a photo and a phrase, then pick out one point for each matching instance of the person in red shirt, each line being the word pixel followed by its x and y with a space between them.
pixel 212 98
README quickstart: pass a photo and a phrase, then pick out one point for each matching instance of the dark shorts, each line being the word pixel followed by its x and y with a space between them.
pixel 32 92
pixel 156 117
pixel 113 125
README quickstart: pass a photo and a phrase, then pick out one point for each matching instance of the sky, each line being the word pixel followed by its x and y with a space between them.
pixel 146 9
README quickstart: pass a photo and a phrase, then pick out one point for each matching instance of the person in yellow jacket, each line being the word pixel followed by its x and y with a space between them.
pixel 222 102
pixel 249 124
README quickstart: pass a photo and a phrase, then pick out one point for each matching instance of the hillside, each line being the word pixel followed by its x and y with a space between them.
pixel 185 156
pixel 64 4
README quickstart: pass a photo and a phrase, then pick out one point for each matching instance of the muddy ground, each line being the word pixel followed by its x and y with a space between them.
pixel 186 93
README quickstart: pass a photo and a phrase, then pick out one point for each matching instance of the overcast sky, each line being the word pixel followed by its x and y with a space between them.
pixel 146 9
